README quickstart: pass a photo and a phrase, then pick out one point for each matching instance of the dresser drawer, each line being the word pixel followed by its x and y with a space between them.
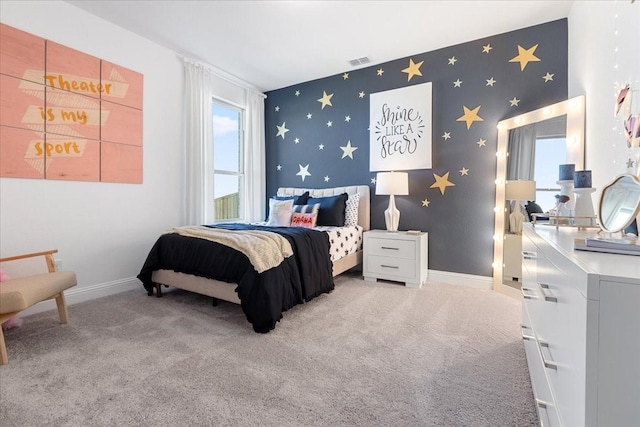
pixel 391 248
pixel 392 268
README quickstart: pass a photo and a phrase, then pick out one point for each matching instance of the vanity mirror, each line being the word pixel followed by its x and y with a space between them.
pixel 619 203
pixel 573 109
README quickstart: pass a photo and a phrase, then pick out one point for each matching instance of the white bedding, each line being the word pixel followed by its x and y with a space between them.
pixel 343 240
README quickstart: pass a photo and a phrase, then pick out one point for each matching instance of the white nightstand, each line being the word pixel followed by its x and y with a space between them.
pixel 395 255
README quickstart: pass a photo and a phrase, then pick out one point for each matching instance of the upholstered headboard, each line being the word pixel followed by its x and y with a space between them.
pixel 364 208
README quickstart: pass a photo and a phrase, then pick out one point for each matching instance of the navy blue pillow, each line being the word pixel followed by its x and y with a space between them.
pixel 332 209
pixel 297 200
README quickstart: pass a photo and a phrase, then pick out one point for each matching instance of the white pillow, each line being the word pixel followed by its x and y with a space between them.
pixel 351 212
pixel 280 212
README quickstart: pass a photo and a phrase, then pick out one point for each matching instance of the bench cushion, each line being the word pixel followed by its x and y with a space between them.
pixel 23 292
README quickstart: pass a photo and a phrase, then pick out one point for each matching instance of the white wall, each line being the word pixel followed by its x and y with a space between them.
pixel 596 29
pixel 103 231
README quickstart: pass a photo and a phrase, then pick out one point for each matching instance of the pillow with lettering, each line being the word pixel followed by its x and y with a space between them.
pixel 305 215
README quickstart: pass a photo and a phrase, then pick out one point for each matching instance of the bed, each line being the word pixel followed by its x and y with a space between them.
pixel 182 258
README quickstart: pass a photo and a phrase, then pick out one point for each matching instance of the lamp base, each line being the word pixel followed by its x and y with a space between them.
pixel 515 220
pixel 392 215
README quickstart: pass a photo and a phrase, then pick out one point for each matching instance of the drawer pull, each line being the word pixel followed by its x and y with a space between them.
pixel 529 255
pixel 548 296
pixel 388 266
pixel 526 293
pixel 525 336
pixel 546 356
pixel 389 248
pixel 542 412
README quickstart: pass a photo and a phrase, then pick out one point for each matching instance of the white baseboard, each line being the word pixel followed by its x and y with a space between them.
pixel 470 280
pixel 86 293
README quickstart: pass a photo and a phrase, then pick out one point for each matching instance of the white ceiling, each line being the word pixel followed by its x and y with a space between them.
pixel 275 44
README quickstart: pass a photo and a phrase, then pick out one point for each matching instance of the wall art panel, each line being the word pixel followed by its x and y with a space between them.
pixel 59 105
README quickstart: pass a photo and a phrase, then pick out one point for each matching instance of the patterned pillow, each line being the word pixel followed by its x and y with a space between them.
pixel 280 212
pixel 305 215
pixel 351 212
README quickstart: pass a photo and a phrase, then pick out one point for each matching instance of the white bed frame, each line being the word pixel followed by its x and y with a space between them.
pixel 226 291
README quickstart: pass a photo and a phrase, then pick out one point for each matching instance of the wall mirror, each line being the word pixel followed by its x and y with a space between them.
pixel 574 112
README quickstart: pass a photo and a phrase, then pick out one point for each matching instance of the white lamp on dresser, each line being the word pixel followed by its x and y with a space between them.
pixel 392 184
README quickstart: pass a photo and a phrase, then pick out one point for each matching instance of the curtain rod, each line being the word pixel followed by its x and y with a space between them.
pixel 223 75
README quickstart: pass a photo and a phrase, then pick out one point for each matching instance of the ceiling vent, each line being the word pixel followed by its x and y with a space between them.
pixel 359 61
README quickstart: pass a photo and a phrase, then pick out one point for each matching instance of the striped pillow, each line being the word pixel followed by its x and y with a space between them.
pixel 305 215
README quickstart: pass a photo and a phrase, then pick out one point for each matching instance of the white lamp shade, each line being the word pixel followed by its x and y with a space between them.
pixel 520 190
pixel 392 183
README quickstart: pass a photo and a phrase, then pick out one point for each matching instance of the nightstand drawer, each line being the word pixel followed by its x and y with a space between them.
pixel 384 266
pixel 392 248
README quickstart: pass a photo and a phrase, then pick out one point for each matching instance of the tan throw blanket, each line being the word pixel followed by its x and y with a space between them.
pixel 264 249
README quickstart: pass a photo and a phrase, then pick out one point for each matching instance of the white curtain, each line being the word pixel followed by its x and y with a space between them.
pixel 198 134
pixel 254 159
pixel 522 153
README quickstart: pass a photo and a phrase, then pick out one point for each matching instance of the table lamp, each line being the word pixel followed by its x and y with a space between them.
pixel 519 191
pixel 392 184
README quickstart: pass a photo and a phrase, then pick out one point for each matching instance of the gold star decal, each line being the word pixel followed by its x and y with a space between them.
pixel 380 71
pixel 464 171
pixel 442 182
pixel 486 48
pixel 413 69
pixel 425 203
pixel 281 130
pixel 470 116
pixel 548 77
pixel 525 56
pixel 325 100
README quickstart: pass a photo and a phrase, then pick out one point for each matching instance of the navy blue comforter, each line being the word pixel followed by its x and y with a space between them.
pixel 263 296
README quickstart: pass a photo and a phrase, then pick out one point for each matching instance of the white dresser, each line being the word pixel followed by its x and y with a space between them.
pixel 397 256
pixel 581 330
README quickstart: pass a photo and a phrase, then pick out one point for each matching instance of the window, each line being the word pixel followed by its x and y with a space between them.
pixel 228 163
pixel 550 154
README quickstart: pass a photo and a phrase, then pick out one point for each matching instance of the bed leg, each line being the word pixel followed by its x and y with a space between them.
pixel 158 290
pixel 215 302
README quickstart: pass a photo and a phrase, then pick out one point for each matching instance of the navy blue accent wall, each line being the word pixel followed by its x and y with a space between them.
pixel 307 145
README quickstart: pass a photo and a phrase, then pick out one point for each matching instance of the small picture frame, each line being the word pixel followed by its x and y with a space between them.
pixel 623 103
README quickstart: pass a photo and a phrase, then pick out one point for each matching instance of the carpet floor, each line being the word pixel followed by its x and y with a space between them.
pixel 368 354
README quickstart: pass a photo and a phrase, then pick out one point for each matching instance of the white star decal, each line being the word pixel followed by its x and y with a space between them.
pixel 348 150
pixel 457 83
pixel 326 179
pixel 425 203
pixel 490 82
pixel 321 147
pixel 345 76
pixel 482 143
pixel 548 77
pixel 452 60
pixel 279 167
pixel 277 108
pixel 380 71
pixel 309 115
pixel 361 94
pixel 281 130
pixel 329 123
pixel 446 135
pixel 297 140
pixel 297 93
pixel 486 49
pixel 304 172
pixel 347 118
pixel 514 102
pixel 464 171
pixel 373 180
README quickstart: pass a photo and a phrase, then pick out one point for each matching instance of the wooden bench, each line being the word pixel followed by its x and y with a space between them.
pixel 20 293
